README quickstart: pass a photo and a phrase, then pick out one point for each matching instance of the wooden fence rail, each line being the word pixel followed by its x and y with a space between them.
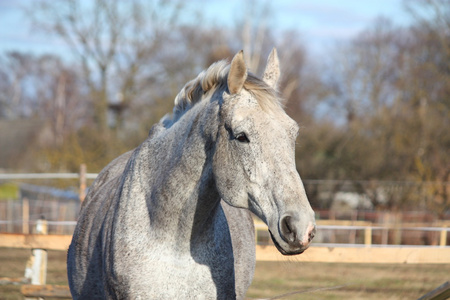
pixel 45 291
pixel 347 229
pixel 440 293
pixel 316 253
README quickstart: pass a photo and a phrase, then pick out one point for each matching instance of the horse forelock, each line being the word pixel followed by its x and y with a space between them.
pixel 215 78
pixel 268 98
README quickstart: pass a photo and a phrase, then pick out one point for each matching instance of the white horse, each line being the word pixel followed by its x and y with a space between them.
pixel 153 225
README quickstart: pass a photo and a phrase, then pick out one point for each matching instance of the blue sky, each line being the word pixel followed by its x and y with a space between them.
pixel 321 22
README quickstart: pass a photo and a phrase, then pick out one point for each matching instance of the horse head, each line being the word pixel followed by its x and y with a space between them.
pixel 254 160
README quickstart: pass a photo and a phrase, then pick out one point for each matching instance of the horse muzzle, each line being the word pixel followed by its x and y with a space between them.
pixel 294 236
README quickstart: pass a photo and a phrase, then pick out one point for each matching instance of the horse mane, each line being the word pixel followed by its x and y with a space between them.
pixel 215 78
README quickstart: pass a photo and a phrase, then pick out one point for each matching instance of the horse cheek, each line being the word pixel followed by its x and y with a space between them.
pixel 227 178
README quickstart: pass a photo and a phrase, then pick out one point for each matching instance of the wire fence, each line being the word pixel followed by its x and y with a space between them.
pixel 369 235
pixel 335 226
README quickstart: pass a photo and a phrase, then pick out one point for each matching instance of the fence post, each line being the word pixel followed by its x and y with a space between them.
pixel 10 215
pixel 82 193
pixel 443 239
pixel 36 269
pixel 61 217
pixel 352 234
pixel 368 236
pixel 385 231
pixel 25 216
pixel 398 229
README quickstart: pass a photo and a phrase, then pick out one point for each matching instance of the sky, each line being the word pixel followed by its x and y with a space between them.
pixel 321 22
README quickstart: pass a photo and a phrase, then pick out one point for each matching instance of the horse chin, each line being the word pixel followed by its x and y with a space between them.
pixel 283 250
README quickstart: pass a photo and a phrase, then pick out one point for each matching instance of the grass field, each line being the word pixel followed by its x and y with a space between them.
pixel 272 279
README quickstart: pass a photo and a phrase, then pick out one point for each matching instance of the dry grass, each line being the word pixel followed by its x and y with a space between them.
pixel 359 281
pixel 352 281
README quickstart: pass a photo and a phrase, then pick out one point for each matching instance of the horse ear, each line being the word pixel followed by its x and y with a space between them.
pixel 272 70
pixel 237 74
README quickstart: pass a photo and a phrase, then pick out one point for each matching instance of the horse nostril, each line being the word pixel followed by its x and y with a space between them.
pixel 311 234
pixel 288 230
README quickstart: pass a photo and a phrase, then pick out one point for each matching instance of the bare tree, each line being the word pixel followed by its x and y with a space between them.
pixel 429 91
pixel 253 30
pixel 390 105
pixel 14 69
pixel 61 100
pixel 111 40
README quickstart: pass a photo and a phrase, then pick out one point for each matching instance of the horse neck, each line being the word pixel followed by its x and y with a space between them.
pixel 175 172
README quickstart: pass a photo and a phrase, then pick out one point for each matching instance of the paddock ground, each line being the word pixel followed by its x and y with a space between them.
pixel 272 279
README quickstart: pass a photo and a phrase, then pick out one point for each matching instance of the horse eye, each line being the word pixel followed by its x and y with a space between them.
pixel 241 137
